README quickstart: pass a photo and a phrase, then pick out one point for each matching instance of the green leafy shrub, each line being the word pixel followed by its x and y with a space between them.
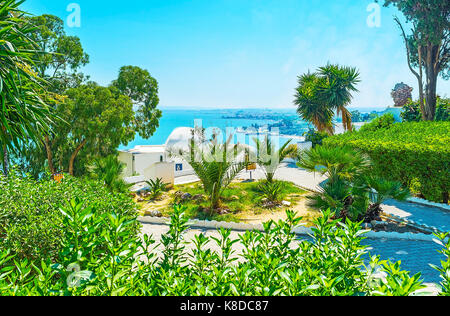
pixel 316 138
pixel 31 224
pixel 383 121
pixel 415 154
pixel 271 262
pixel 444 241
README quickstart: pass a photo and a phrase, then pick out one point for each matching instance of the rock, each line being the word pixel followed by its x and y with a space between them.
pixel 186 196
pixel 155 214
pixel 198 197
pixel 286 203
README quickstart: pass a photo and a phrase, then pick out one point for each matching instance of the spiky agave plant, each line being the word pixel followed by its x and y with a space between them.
pixel 157 187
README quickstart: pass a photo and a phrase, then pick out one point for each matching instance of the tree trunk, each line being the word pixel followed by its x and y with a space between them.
pixel 49 155
pixel 420 81
pixel 74 155
pixel 432 76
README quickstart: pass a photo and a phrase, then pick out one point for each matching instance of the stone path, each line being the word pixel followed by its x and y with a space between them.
pixel 414 255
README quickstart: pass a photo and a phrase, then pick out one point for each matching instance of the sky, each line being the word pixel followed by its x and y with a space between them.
pixel 239 53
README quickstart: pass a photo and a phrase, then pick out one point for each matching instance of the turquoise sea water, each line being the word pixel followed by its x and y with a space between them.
pixel 174 118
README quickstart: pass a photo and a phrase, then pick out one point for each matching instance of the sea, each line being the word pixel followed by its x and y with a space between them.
pixel 222 119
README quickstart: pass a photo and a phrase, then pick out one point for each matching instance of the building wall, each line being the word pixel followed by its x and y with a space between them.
pixel 127 159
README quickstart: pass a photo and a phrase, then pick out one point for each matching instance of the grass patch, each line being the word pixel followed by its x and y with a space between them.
pixel 240 198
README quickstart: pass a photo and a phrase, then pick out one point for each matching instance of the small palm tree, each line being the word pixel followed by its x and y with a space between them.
pixel 157 187
pixel 269 158
pixel 381 190
pixel 216 164
pixel 335 162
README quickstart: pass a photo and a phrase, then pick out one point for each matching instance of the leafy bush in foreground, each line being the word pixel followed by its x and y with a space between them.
pixel 31 224
pixel 271 263
pixel 416 154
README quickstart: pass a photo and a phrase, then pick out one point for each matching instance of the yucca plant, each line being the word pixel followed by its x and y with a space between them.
pixel 157 187
pixel 109 170
pixel 269 158
pixel 23 114
pixel 216 164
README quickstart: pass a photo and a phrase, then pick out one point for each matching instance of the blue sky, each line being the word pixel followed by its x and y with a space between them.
pixel 238 53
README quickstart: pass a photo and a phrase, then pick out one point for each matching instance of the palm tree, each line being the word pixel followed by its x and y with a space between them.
pixel 310 106
pixel 337 163
pixel 336 89
pixel 381 190
pixel 320 94
pixel 23 114
pixel 216 164
pixel 269 158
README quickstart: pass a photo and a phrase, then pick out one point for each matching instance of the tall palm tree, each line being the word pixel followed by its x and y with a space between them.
pixel 23 114
pixel 268 157
pixel 336 89
pixel 310 106
pixel 320 94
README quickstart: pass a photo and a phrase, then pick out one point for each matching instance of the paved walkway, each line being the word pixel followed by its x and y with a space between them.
pixel 414 255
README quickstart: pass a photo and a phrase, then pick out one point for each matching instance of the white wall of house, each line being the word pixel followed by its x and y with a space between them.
pixel 127 159
pixel 161 170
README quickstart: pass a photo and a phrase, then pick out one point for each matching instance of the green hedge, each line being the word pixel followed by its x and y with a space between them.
pixel 415 153
pixel 30 217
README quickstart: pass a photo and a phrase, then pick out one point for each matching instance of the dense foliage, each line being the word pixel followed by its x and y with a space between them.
pixel 428 47
pixel 350 191
pixel 316 138
pixel 384 121
pixel 416 154
pixel 412 113
pixel 271 263
pixel 31 224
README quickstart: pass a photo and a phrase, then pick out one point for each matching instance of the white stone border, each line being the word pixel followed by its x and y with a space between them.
pixel 416 200
pixel 213 225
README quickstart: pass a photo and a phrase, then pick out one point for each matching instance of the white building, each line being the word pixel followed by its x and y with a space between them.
pixel 150 162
